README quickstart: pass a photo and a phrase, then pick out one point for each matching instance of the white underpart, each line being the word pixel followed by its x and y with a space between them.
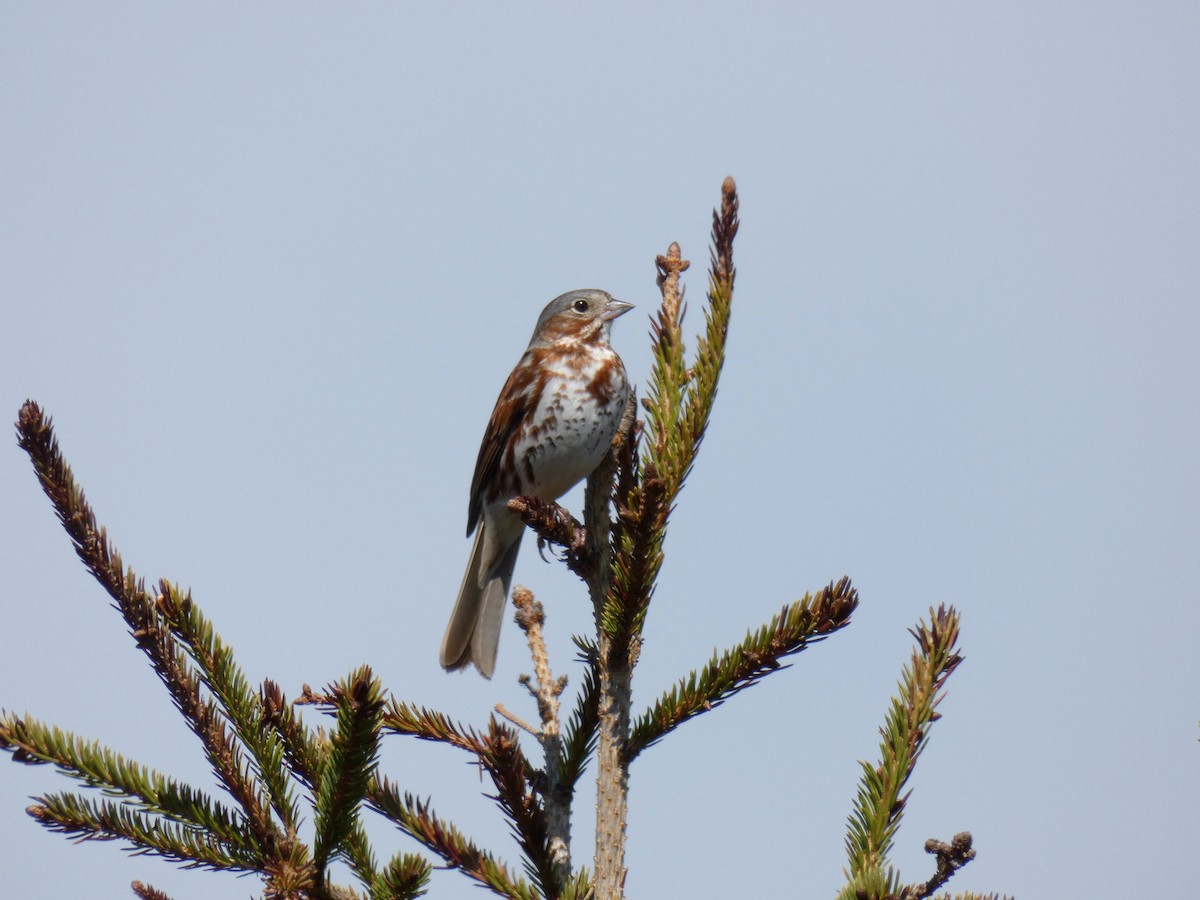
pixel 583 431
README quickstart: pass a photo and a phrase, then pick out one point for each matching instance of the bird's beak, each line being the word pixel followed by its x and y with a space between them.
pixel 615 308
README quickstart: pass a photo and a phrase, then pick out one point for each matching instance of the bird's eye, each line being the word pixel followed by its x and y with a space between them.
pixel 580 306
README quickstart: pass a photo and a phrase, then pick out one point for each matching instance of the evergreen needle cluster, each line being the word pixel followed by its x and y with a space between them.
pixel 279 773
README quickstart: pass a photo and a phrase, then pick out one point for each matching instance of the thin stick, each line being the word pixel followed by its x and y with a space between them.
pixel 556 799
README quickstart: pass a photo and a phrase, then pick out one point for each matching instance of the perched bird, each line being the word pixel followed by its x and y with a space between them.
pixel 553 423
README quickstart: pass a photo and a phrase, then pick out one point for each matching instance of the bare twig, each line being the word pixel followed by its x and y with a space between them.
pixel 512 717
pixel 670 267
pixel 556 798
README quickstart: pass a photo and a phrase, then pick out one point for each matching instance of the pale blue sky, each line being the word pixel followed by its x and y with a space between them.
pixel 267 266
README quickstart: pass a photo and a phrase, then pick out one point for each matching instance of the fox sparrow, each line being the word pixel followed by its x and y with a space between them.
pixel 553 423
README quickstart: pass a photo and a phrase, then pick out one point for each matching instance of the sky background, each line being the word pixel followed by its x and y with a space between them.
pixel 267 266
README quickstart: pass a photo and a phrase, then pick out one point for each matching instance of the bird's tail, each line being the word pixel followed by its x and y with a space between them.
pixel 473 635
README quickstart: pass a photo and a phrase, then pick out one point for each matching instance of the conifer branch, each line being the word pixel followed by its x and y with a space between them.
pixel 147 624
pixel 512 774
pixel 429 725
pixel 799 625
pixel 35 435
pixel 308 756
pixel 290 875
pixel 627 569
pixel 353 749
pixel 355 849
pixel 224 754
pixel 305 751
pixel 417 820
pixel 680 399
pixel 406 876
pixel 240 706
pixel 146 892
pixel 580 887
pixel 710 349
pixel 881 799
pixel 641 495
pixel 579 733
pixel 638 536
pixel 97 766
pixel 500 754
pixel 678 407
pixel 107 820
